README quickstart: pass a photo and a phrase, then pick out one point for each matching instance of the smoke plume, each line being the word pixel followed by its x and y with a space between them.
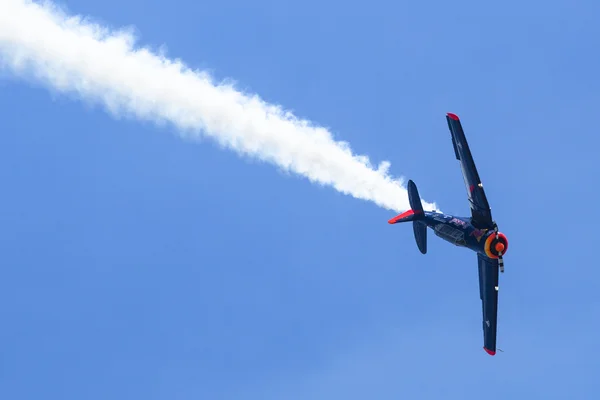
pixel 71 54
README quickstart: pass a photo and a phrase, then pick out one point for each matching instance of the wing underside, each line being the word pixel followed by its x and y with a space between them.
pixel 488 291
pixel 480 208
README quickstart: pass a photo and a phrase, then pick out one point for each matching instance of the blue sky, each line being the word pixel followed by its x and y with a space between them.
pixel 139 265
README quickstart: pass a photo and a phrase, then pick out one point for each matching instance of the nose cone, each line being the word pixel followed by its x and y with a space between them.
pixel 499 247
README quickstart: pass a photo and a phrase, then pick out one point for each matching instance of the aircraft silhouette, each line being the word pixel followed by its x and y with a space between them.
pixel 478 232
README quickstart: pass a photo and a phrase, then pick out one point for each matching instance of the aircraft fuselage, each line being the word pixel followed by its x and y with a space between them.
pixel 460 232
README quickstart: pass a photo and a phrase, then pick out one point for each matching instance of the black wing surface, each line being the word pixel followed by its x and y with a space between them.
pixel 480 208
pixel 488 291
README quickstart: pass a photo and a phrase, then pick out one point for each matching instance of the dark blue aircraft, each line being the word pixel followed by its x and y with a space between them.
pixel 478 232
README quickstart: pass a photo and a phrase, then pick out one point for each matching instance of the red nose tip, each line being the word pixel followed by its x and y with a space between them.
pixel 499 247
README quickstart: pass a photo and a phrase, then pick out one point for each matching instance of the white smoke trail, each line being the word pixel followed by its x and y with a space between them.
pixel 73 55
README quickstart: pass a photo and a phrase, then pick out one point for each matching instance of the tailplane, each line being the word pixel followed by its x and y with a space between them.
pixel 414 199
pixel 415 214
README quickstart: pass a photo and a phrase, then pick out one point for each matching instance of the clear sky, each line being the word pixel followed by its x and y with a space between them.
pixel 135 264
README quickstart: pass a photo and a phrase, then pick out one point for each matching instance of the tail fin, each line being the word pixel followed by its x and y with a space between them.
pixel 415 214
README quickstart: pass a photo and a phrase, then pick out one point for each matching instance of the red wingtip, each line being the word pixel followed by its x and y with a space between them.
pixel 491 353
pixel 453 116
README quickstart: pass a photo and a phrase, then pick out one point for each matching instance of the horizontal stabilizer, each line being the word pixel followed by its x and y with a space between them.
pixel 420 231
pixel 416 214
pixel 419 227
pixel 413 198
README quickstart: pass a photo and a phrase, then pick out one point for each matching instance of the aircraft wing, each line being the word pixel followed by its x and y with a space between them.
pixel 488 284
pixel 480 208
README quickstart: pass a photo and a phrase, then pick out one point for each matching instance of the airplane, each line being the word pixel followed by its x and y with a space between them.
pixel 478 232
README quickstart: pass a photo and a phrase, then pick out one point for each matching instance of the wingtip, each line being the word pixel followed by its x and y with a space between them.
pixel 453 116
pixel 490 352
